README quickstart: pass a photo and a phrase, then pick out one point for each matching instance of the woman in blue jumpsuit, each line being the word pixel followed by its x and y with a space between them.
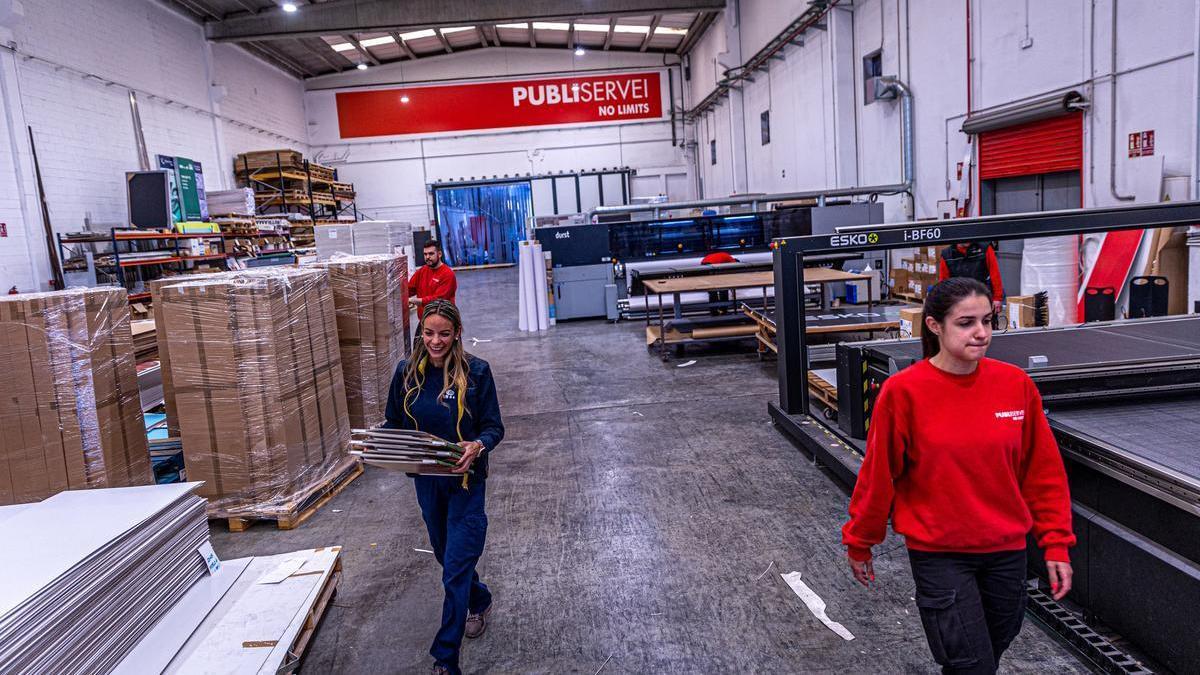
pixel 444 391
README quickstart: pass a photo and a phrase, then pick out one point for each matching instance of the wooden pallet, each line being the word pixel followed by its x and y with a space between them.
pixel 307 503
pixel 822 390
pixel 313 618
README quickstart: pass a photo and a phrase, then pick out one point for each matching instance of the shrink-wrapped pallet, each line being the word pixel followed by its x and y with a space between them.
pixel 71 415
pixel 370 293
pixel 258 389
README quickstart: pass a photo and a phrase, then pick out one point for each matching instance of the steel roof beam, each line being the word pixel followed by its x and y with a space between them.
pixel 338 17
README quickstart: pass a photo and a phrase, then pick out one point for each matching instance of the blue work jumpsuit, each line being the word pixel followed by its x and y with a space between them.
pixel 454 515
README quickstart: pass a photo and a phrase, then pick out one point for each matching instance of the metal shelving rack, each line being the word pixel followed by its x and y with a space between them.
pixel 274 196
pixel 76 247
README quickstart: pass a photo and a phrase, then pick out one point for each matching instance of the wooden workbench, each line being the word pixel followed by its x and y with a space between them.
pixel 721 282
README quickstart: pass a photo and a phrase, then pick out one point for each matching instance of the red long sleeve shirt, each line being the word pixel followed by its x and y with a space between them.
pixel 963 463
pixel 993 266
pixel 428 285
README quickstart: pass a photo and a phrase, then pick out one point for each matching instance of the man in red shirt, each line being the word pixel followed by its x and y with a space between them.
pixel 975 261
pixel 434 281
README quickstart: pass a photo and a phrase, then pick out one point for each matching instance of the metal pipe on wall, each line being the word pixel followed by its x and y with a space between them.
pixel 1112 113
pixel 753 199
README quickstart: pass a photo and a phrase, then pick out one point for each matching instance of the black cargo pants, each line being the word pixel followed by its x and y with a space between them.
pixel 971 606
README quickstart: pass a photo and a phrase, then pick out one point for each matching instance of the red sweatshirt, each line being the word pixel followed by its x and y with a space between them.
pixel 428 285
pixel 964 464
pixel 993 266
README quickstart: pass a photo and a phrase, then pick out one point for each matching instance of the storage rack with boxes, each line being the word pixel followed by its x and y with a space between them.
pixel 131 258
pixel 304 192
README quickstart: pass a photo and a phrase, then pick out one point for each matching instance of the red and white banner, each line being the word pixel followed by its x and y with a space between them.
pixel 499 105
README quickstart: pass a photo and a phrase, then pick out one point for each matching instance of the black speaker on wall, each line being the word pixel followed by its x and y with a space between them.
pixel 1099 303
pixel 1148 297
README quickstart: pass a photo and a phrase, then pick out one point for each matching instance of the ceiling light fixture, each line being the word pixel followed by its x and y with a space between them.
pixel 579 51
pixel 361 66
pixel 289 7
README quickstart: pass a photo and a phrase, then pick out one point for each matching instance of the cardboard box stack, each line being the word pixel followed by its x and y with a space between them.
pixel 917 272
pixel 370 294
pixel 71 416
pixel 258 389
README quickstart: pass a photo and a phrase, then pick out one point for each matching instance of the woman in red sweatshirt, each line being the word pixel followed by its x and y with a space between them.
pixel 959 453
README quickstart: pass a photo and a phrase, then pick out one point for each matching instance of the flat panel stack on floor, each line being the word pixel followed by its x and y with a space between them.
pixel 71 416
pixel 370 294
pixel 87 573
pixel 257 378
pixel 382 236
pixel 406 450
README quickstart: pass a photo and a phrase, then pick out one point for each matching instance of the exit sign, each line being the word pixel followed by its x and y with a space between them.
pixel 1141 143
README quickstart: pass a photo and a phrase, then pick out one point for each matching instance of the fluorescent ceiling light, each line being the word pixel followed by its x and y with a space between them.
pixel 375 42
pixel 592 27
pixel 550 25
pixel 665 30
pixel 289 7
pixel 512 25
pixel 631 29
pixel 455 29
pixel 361 66
pixel 342 47
pixel 417 34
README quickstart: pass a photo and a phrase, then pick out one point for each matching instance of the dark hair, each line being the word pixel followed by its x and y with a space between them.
pixel 940 298
pixel 432 243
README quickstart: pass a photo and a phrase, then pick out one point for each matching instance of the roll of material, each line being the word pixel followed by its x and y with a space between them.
pixel 522 294
pixel 550 288
pixel 1051 264
pixel 531 322
pixel 539 275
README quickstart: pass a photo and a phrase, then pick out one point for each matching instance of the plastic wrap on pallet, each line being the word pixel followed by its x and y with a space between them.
pixel 71 416
pixel 370 294
pixel 258 387
pixel 1051 264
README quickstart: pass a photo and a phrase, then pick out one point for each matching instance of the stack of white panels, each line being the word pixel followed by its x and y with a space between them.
pixel 332 239
pixel 239 202
pixel 381 236
pixel 87 573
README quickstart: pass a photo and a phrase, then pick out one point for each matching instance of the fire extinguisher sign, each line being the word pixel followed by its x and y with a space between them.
pixel 1141 143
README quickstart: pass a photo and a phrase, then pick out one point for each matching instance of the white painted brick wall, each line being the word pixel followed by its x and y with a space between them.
pixel 83 128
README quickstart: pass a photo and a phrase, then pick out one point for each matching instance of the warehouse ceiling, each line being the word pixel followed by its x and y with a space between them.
pixel 328 36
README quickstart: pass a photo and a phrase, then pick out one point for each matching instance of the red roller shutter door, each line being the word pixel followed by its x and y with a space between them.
pixel 1044 146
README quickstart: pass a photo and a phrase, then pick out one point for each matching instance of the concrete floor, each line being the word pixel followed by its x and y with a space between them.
pixel 640 514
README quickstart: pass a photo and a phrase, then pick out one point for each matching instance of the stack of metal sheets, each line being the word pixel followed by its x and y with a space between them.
pixel 87 573
pixel 406 450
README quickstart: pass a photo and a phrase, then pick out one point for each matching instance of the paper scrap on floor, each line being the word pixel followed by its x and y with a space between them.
pixel 815 604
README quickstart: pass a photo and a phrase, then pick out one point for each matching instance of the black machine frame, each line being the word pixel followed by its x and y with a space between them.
pixel 1161 573
pixel 790 254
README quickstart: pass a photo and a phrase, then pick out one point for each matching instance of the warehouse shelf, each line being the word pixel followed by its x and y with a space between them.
pixel 134 297
pixel 112 258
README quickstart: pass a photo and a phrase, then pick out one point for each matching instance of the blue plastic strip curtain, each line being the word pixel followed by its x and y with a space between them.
pixel 482 224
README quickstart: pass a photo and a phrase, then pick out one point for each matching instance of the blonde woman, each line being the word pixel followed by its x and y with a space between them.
pixel 447 392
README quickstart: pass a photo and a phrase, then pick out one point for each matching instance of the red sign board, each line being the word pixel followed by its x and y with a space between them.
pixel 499 105
pixel 1141 143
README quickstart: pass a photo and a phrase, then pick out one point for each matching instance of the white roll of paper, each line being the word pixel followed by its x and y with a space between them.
pixel 543 300
pixel 522 295
pixel 531 322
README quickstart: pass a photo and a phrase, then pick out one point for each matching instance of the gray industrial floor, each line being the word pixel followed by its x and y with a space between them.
pixel 639 516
